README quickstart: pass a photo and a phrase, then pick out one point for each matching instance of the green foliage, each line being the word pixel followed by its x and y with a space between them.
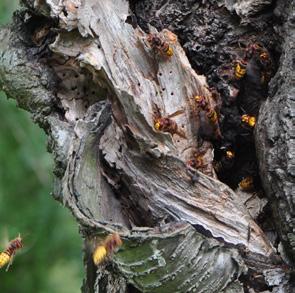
pixel 51 260
pixel 6 9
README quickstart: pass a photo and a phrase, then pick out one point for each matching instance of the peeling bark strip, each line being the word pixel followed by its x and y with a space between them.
pixel 98 90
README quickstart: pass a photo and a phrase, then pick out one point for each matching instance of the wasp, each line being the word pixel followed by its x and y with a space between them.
pixel 200 162
pixel 229 154
pixel 211 114
pixel 226 162
pixel 247 183
pixel 266 64
pixel 104 249
pixel 252 49
pixel 202 102
pixel 264 56
pixel 196 162
pixel 258 51
pixel 264 59
pixel 249 120
pixel 240 68
pixel 166 124
pixel 6 257
pixel 157 43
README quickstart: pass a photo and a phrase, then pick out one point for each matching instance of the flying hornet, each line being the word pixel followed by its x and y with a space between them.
pixel 106 247
pixel 6 256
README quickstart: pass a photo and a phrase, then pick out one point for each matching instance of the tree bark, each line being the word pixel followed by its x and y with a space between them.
pixel 92 81
pixel 275 138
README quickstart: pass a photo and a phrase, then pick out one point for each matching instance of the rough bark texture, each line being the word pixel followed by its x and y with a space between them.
pixel 275 138
pixel 90 78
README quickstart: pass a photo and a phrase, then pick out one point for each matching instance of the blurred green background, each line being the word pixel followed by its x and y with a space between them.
pixel 51 259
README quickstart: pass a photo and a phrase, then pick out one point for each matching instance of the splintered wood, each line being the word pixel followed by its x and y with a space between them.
pixel 143 86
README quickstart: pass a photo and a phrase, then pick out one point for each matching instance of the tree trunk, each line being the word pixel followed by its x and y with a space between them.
pixel 92 78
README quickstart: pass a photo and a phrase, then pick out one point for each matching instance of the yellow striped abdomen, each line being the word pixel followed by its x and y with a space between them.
pixel 4 259
pixel 99 254
pixel 240 70
pixel 169 52
pixel 247 184
pixel 212 116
